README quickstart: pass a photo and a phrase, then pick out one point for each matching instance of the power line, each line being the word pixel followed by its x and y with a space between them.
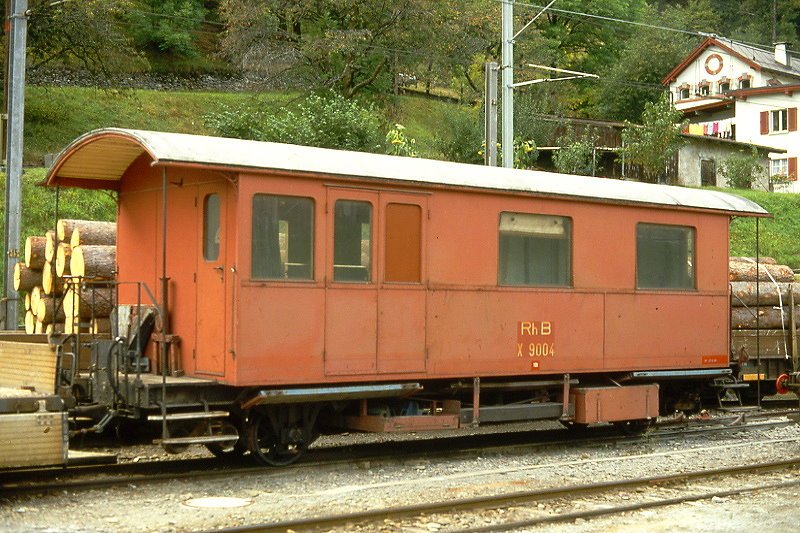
pixel 612 19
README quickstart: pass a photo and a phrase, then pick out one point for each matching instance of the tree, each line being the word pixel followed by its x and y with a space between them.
pixel 166 25
pixel 336 43
pixel 91 34
pixel 654 143
pixel 647 56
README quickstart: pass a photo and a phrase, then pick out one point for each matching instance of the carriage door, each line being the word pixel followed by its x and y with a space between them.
pixel 402 295
pixel 351 298
pixel 211 276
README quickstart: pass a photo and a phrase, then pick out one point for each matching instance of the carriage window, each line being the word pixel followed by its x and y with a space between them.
pixel 535 250
pixel 665 257
pixel 403 243
pixel 211 227
pixel 283 237
pixel 352 241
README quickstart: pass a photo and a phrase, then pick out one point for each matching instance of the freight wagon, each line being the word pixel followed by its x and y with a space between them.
pixel 270 292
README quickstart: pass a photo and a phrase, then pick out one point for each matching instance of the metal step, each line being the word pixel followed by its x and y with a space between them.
pixel 197 415
pixel 203 439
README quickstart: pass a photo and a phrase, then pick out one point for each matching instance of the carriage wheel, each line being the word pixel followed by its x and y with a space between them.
pixel 229 450
pixel 264 442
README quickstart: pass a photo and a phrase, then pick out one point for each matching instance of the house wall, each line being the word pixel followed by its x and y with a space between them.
pixel 733 69
pixel 748 128
pixel 692 154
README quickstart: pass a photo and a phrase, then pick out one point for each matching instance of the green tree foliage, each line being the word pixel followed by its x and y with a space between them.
pixel 743 169
pixel 655 142
pixel 90 34
pixel 648 55
pixel 338 44
pixel 325 121
pixel 166 25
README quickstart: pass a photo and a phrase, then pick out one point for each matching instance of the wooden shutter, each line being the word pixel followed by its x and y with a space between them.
pixel 792 113
pixel 764 122
pixel 792 168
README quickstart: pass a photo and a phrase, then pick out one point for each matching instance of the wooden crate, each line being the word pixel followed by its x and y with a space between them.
pixel 29 365
pixel 30 434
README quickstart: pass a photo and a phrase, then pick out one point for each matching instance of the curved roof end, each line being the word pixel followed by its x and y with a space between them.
pixel 97 159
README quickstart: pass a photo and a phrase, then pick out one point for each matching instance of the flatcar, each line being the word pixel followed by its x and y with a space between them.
pixel 294 290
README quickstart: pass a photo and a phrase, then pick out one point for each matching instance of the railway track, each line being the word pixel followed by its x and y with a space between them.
pixel 88 478
pixel 378 517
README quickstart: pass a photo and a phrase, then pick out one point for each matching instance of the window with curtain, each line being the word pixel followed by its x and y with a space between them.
pixel 352 241
pixel 535 250
pixel 283 238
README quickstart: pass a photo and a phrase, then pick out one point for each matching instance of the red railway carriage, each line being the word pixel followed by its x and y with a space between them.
pixel 312 287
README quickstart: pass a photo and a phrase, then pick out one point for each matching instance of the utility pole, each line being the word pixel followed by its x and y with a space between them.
pixel 15 102
pixel 508 82
pixel 490 115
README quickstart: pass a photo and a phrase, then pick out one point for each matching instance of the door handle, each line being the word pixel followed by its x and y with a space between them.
pixel 221 270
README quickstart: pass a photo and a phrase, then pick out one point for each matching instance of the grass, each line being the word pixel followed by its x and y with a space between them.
pixel 56 116
pixel 778 236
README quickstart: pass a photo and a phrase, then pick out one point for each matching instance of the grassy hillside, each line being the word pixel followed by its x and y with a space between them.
pixel 779 237
pixel 55 116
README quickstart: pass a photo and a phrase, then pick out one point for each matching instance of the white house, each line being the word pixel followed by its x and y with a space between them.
pixel 740 92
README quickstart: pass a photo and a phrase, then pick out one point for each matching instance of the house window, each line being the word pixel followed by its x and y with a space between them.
pixel 535 250
pixel 779 120
pixel 352 241
pixel 779 167
pixel 665 257
pixel 744 84
pixel 724 86
pixel 283 238
pixel 683 93
pixel 704 90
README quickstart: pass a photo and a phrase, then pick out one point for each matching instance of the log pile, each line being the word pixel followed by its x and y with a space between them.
pixel 66 277
pixel 762 296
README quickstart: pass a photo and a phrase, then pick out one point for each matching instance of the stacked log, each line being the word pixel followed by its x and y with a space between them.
pixel 66 278
pixel 761 305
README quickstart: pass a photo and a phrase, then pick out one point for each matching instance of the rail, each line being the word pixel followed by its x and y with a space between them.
pixel 377 517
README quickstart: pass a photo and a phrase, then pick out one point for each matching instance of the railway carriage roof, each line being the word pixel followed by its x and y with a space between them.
pixel 100 158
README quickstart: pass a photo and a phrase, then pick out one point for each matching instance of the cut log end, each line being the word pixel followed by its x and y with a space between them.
pixel 35 252
pixel 50 246
pixel 63 259
pixel 94 262
pixel 30 323
pixel 26 278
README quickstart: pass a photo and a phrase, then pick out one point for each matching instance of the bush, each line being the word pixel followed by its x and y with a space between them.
pixel 742 170
pixel 325 121
pixel 460 137
pixel 576 153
